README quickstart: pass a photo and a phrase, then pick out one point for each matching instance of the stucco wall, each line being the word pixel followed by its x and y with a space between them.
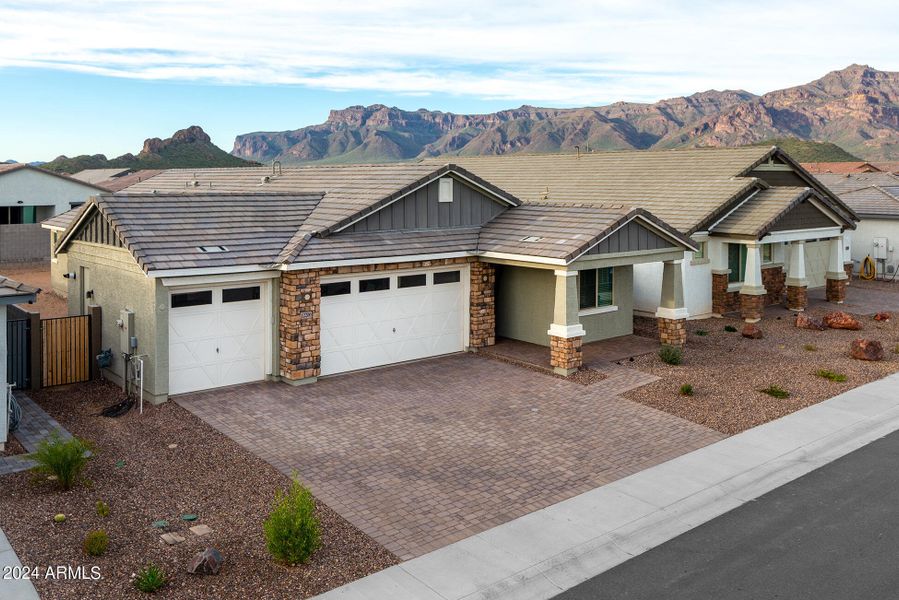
pixel 620 322
pixel 59 266
pixel 863 240
pixel 697 287
pixel 118 283
pixel 34 188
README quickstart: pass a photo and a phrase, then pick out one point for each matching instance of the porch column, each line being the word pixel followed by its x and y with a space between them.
pixel 717 252
pixel 797 284
pixel 672 313
pixel 566 332
pixel 836 272
pixel 482 306
pixel 753 292
pixel 298 328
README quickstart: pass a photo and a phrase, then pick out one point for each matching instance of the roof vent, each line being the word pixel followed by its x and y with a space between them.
pixel 193 183
pixel 211 249
pixel 265 179
pixel 531 238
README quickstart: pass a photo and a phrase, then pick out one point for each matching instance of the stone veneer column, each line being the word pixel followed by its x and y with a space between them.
pixel 753 292
pixel 482 306
pixel 719 292
pixel 566 331
pixel 299 328
pixel 836 273
pixel 797 284
pixel 672 314
pixel 848 267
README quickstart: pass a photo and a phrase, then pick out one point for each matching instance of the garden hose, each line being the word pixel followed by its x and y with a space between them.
pixel 869 269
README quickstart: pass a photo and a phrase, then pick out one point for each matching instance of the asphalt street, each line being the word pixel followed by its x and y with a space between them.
pixel 830 535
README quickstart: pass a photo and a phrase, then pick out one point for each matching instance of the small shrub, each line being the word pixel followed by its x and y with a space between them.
pixel 95 543
pixel 776 391
pixel 831 375
pixel 63 459
pixel 149 579
pixel 701 332
pixel 686 389
pixel 896 349
pixel 102 509
pixel 810 348
pixel 671 355
pixel 291 530
pixel 730 329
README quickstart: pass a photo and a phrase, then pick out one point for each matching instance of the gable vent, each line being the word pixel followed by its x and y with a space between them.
pixel 211 249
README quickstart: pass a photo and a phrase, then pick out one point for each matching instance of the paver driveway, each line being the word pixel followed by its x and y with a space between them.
pixel 424 454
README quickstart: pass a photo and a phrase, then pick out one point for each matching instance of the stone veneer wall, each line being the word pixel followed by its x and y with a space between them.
pixel 752 307
pixel 565 353
pixel 672 332
pixel 722 300
pixel 848 267
pixel 482 305
pixel 836 289
pixel 774 280
pixel 797 297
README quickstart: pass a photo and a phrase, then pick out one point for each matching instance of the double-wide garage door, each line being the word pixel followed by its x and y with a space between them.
pixel 217 336
pixel 382 318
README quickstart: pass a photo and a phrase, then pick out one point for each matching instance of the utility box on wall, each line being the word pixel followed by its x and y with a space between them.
pixel 127 339
pixel 881 249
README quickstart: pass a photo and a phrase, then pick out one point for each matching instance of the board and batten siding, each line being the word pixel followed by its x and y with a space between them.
pixel 804 216
pixel 630 238
pixel 422 209
pixel 98 230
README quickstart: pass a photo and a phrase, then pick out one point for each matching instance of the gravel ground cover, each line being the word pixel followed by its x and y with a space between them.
pixel 727 370
pixel 49 304
pixel 143 478
pixel 13 447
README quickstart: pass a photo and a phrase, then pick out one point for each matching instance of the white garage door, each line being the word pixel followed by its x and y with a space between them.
pixel 217 336
pixel 380 318
pixel 816 258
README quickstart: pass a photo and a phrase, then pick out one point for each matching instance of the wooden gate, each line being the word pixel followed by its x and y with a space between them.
pixel 66 349
pixel 18 355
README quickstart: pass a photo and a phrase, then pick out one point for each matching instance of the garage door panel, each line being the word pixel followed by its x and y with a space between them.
pixel 817 255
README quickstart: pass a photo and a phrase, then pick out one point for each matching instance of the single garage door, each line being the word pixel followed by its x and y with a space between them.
pixel 816 258
pixel 380 318
pixel 217 336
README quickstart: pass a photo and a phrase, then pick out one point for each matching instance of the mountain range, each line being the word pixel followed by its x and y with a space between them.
pixel 190 147
pixel 856 108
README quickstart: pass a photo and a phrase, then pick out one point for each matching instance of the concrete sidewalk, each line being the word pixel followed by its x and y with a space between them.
pixel 543 553
pixel 20 589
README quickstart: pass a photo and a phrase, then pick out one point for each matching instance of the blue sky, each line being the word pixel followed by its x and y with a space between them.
pixel 99 77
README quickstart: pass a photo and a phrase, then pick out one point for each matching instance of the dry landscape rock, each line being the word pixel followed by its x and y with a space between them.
pixel 842 320
pixel 883 316
pixel 803 321
pixel 752 332
pixel 862 349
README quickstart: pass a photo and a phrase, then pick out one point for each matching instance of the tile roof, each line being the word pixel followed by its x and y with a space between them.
pixel 116 184
pixel 98 175
pixel 840 167
pixel 164 231
pixel 11 167
pixel 10 289
pixel 840 184
pixel 754 217
pixel 874 201
pixel 62 220
pixel 888 167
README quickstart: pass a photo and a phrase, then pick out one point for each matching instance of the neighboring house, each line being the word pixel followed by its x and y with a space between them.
pixel 11 292
pixel 841 168
pixel 888 167
pixel 28 195
pixel 112 180
pixel 875 198
pixel 236 275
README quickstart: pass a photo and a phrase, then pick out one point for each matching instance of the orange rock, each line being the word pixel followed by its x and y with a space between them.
pixel 863 349
pixel 841 320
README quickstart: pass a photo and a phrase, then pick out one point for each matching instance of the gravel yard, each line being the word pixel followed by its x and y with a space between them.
pixel 49 304
pixel 144 479
pixel 13 447
pixel 727 370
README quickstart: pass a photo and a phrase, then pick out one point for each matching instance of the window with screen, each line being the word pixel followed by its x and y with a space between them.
pixel 596 287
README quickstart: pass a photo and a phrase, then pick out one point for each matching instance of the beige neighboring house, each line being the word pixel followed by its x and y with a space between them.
pixel 225 276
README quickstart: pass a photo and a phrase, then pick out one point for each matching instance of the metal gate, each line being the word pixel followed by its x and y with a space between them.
pixel 66 350
pixel 18 355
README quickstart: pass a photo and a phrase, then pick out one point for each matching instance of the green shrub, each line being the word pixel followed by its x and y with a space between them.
pixel 730 329
pixel 776 391
pixel 149 579
pixel 686 389
pixel 831 375
pixel 102 509
pixel 896 349
pixel 95 543
pixel 701 332
pixel 291 530
pixel 810 348
pixel 64 459
pixel 671 355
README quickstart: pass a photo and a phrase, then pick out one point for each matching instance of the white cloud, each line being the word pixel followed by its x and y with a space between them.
pixel 541 52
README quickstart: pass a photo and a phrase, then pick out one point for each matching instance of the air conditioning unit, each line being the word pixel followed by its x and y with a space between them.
pixel 881 248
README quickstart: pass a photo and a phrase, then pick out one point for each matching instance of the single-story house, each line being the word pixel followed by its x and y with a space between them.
pixel 112 180
pixel 235 275
pixel 28 195
pixel 842 167
pixel 11 292
pixel 875 198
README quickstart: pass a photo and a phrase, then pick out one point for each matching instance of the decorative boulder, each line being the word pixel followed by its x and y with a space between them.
pixel 752 332
pixel 883 316
pixel 803 321
pixel 841 320
pixel 207 562
pixel 862 349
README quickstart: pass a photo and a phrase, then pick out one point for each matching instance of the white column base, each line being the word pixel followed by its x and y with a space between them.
pixel 566 331
pixel 753 290
pixel 672 313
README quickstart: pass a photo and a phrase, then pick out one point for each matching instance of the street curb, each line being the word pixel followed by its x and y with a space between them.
pixel 20 589
pixel 546 552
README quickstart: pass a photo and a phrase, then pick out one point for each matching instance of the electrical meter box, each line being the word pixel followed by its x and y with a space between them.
pixel 881 247
pixel 127 333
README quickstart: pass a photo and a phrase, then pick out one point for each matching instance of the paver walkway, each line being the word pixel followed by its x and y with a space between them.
pixel 34 426
pixel 424 454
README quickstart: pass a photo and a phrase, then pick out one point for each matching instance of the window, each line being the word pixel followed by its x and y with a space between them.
pixel 337 288
pixel 700 252
pixel 191 299
pixel 596 287
pixel 736 262
pixel 767 253
pixel 240 294
pixel 374 285
pixel 407 281
pixel 446 277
